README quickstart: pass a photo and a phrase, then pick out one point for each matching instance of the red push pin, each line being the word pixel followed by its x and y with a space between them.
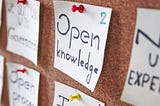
pixel 21 1
pixel 80 8
pixel 21 70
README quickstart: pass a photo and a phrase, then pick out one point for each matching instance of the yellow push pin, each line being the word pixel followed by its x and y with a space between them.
pixel 77 96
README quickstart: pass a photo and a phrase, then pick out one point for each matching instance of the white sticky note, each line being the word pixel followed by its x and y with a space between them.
pixel 1 74
pixel 23 28
pixel 142 86
pixel 0 12
pixel 62 93
pixel 23 87
pixel 80 40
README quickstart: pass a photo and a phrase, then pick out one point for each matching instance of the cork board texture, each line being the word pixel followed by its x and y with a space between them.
pixel 116 60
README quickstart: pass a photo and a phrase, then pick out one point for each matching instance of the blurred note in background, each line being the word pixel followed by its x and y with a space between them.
pixel 63 94
pixel 23 28
pixel 1 75
pixel 23 86
pixel 142 87
pixel 0 12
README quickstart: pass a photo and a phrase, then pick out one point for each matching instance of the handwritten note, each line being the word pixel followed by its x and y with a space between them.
pixel 80 41
pixel 23 87
pixel 142 87
pixel 0 12
pixel 62 93
pixel 1 74
pixel 23 28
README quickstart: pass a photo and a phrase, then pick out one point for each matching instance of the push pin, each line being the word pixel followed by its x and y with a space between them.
pixel 21 1
pixel 21 70
pixel 80 8
pixel 77 96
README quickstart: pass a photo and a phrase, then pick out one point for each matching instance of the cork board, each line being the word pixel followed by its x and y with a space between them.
pixel 117 52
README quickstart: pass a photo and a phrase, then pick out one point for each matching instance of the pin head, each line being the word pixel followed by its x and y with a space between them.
pixel 80 8
pixel 77 97
pixel 21 1
pixel 21 70
pixel 74 8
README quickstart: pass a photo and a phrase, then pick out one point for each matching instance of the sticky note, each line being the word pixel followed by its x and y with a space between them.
pixel 23 28
pixel 1 74
pixel 23 87
pixel 80 40
pixel 142 86
pixel 63 92
pixel 0 12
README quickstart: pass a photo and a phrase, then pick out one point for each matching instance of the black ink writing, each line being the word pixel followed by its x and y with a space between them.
pixel 64 99
pixel 10 7
pixel 67 56
pixel 25 14
pixel 140 79
pixel 154 63
pixel 24 41
pixel 139 31
pixel 28 11
pixel 78 60
pixel 19 99
pixel 85 37
pixel 58 27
